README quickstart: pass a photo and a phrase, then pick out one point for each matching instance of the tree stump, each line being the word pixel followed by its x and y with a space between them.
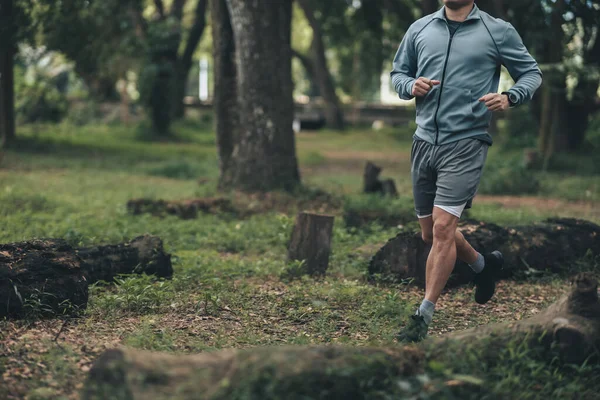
pixel 569 330
pixel 551 246
pixel 311 242
pixel 48 277
pixel 372 184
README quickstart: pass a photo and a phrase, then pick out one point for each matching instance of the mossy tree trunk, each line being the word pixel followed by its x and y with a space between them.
pixel 569 330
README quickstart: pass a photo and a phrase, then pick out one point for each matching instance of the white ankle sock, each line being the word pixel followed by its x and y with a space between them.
pixel 479 264
pixel 426 310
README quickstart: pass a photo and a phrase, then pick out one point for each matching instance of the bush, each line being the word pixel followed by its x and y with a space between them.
pixel 508 177
pixel 40 102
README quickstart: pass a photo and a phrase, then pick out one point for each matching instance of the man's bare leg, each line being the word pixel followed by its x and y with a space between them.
pixel 464 251
pixel 442 256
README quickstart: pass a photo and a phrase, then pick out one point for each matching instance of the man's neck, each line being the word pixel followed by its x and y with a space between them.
pixel 458 15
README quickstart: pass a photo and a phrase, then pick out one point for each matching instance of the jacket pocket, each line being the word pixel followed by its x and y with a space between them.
pixel 456 111
pixel 426 107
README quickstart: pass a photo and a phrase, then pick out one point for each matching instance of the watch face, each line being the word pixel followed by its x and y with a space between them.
pixel 512 98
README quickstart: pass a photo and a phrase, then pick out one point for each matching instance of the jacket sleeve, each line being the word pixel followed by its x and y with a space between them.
pixel 405 67
pixel 520 64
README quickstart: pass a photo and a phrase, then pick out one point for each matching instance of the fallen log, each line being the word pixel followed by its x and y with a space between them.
pixel 142 255
pixel 569 330
pixel 48 277
pixel 551 246
pixel 41 277
pixel 311 242
pixel 185 209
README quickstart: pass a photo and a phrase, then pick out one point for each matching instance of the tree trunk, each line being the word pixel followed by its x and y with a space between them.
pixel 184 63
pixel 48 277
pixel 333 111
pixel 225 89
pixel 526 249
pixel 309 67
pixel 41 277
pixel 569 330
pixel 264 156
pixel 7 84
pixel 311 242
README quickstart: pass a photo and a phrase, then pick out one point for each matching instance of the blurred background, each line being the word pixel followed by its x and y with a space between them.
pixel 85 74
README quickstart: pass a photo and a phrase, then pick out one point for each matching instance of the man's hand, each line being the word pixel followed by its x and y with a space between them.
pixel 422 86
pixel 495 101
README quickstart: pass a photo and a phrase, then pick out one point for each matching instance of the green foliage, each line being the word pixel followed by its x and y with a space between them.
pixel 507 176
pixel 138 293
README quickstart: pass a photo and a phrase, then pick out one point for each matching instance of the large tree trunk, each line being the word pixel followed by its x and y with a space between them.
pixel 7 91
pixel 225 89
pixel 48 277
pixel 550 246
pixel 264 156
pixel 333 111
pixel 569 329
pixel 184 63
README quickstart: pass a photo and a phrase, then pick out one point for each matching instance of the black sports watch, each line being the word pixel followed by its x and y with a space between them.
pixel 512 98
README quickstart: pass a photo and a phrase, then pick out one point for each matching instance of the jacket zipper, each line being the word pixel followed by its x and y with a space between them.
pixel 437 128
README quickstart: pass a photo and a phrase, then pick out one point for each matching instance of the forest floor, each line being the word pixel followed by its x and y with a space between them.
pixel 232 286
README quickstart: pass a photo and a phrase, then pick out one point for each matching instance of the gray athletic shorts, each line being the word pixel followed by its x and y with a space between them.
pixel 446 175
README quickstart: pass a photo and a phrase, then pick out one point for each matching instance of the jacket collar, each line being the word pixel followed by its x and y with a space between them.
pixel 474 14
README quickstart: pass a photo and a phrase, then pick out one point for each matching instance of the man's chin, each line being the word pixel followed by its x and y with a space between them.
pixel 456 5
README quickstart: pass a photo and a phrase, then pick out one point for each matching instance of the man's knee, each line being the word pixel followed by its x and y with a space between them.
pixel 443 230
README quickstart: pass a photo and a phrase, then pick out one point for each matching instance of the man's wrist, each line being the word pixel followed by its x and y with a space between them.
pixel 512 98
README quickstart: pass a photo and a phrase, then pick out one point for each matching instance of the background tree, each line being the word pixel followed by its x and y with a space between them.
pixel 317 68
pixel 15 26
pixel 263 156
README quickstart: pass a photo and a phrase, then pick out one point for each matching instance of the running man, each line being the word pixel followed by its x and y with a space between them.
pixel 450 62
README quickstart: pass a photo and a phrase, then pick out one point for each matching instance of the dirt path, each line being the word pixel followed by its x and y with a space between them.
pixel 560 207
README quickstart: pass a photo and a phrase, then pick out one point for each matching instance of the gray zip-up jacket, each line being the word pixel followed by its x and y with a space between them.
pixel 468 66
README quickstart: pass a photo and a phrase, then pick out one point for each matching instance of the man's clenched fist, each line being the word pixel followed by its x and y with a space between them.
pixel 422 86
pixel 495 101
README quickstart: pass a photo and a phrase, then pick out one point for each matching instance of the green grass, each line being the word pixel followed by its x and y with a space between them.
pixel 233 286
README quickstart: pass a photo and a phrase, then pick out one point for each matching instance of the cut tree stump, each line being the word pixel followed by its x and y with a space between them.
pixel 569 330
pixel 372 184
pixel 48 277
pixel 311 242
pixel 551 246
pixel 184 209
pixel 142 255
